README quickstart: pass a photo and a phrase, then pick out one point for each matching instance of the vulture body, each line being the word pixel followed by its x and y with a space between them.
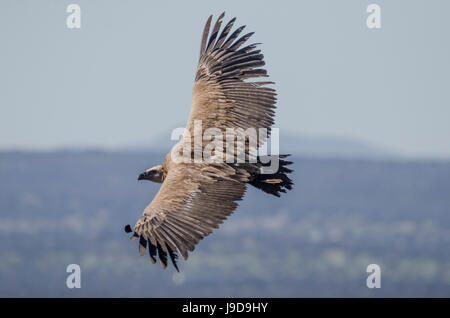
pixel 195 197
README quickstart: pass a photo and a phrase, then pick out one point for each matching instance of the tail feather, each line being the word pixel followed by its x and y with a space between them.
pixel 273 183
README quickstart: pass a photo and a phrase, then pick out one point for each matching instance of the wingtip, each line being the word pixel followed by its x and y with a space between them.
pixel 232 20
pixel 128 229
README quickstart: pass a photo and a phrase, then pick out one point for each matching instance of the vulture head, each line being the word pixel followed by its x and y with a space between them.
pixel 154 174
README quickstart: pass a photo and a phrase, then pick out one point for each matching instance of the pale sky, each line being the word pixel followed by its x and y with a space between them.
pixel 126 75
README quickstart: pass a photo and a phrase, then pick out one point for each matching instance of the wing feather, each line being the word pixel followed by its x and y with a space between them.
pixel 192 201
pixel 205 35
pixel 214 33
pixel 224 95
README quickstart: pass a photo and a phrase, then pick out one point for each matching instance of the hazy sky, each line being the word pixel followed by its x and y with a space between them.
pixel 126 75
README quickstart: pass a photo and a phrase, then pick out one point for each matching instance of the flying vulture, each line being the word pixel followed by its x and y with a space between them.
pixel 195 197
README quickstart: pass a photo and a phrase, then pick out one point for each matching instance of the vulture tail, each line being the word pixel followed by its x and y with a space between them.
pixel 272 176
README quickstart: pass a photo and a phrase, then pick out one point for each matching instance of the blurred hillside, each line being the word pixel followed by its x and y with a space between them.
pixel 299 145
pixel 70 207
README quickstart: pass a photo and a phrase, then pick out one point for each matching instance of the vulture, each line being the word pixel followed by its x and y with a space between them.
pixel 196 196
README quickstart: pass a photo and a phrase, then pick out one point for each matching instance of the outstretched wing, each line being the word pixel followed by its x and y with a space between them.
pixel 222 96
pixel 193 199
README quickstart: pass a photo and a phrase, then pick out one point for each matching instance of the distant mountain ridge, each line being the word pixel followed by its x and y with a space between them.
pixel 337 147
pixel 305 146
pixel 298 145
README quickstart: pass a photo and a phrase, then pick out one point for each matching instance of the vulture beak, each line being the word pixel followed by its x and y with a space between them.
pixel 152 174
pixel 144 176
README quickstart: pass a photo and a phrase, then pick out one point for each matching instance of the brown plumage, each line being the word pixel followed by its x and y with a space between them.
pixel 195 198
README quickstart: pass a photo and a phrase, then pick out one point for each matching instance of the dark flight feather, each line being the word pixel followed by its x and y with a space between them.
pixel 205 35
pixel 134 237
pixel 162 256
pixel 128 228
pixel 142 245
pixel 152 252
pixel 173 258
